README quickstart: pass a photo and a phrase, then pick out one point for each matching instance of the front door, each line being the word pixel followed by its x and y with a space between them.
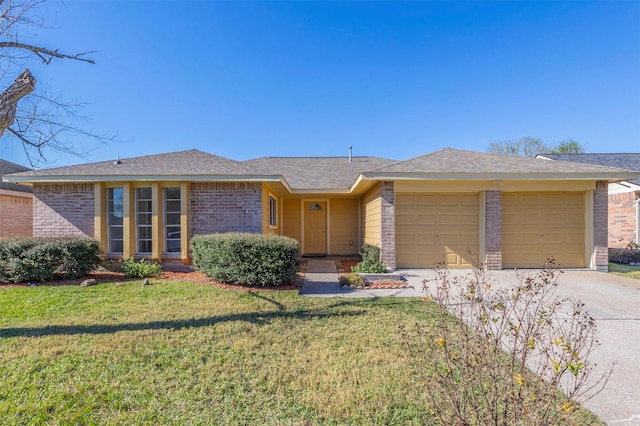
pixel 315 227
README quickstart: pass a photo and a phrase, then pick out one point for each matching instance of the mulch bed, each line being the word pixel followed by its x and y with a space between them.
pixel 189 276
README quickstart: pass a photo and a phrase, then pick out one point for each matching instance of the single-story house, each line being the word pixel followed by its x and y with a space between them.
pixel 16 204
pixel 440 207
pixel 624 197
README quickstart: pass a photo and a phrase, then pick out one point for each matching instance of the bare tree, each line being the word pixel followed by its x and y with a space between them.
pixel 33 117
pixel 530 147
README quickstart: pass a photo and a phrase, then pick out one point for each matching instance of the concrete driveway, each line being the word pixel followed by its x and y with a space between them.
pixel 614 302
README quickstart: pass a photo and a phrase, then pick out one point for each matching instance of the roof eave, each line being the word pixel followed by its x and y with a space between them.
pixel 144 178
pixel 610 177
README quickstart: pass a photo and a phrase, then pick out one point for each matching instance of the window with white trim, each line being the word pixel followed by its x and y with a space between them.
pixel 144 215
pixel 115 214
pixel 172 213
pixel 273 212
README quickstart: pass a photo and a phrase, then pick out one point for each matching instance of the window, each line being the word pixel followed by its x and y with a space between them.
pixel 273 212
pixel 144 215
pixel 115 213
pixel 172 215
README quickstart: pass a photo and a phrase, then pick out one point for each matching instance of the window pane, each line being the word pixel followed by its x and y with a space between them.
pixel 172 219
pixel 172 193
pixel 173 246
pixel 114 219
pixel 173 232
pixel 144 233
pixel 144 219
pixel 172 206
pixel 116 232
pixel 143 193
pixel 115 246
pixel 144 246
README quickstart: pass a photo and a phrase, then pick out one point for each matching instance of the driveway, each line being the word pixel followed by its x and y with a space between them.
pixel 614 302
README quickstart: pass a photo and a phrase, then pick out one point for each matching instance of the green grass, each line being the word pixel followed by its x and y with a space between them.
pixel 625 270
pixel 181 353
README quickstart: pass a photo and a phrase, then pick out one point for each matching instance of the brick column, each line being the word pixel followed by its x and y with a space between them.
pixel 493 230
pixel 388 225
pixel 600 222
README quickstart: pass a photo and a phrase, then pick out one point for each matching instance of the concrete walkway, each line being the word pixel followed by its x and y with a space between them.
pixel 321 280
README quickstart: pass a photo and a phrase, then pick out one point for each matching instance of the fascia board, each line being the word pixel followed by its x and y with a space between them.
pixel 145 178
pixel 612 176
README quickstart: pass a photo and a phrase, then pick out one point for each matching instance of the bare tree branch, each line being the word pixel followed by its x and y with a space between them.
pixel 22 86
pixel 45 54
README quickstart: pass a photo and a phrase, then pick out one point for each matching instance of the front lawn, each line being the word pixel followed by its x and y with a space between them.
pixel 625 270
pixel 184 353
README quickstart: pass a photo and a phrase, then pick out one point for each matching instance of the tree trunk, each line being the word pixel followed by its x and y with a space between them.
pixel 24 84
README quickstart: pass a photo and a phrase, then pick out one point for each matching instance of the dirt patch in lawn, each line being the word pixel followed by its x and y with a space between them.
pixel 344 267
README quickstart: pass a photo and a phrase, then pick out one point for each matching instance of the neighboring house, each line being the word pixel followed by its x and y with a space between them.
pixel 624 197
pixel 16 204
pixel 440 207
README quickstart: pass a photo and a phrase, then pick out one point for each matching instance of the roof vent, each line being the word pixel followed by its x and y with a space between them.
pixel 350 157
pixel 117 160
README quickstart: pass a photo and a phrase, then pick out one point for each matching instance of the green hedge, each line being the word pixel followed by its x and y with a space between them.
pixel 247 259
pixel 47 259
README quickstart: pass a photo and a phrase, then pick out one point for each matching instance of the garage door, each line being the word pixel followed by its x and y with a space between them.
pixel 432 228
pixel 538 226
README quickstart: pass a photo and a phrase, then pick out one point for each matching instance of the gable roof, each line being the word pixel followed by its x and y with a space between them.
pixel 181 165
pixel 316 173
pixel 628 161
pixel 458 164
pixel 6 168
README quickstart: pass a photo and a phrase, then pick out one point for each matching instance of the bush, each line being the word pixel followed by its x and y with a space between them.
pixel 515 354
pixel 353 280
pixel 141 269
pixel 371 263
pixel 624 256
pixel 47 259
pixel 247 259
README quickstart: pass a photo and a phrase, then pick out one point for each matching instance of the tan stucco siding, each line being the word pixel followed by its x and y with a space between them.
pixel 343 226
pixel 291 218
pixel 266 211
pixel 371 216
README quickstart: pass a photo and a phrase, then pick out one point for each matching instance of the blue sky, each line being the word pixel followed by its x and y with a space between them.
pixel 392 79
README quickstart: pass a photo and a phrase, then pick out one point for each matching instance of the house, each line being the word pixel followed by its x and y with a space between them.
pixel 16 201
pixel 440 207
pixel 624 197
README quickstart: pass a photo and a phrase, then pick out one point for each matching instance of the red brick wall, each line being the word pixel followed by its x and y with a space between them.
pixel 493 230
pixel 622 219
pixel 63 210
pixel 16 216
pixel 226 207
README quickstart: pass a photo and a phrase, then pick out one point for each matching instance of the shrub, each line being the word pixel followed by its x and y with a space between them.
pixel 514 355
pixel 624 256
pixel 371 263
pixel 247 259
pixel 353 280
pixel 47 259
pixel 141 269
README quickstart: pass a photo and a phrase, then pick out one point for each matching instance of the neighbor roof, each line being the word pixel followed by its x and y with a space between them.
pixel 6 168
pixel 459 164
pixel 319 172
pixel 628 161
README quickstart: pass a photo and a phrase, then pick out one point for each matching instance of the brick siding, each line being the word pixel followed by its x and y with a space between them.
pixel 493 230
pixel 226 207
pixel 622 219
pixel 16 216
pixel 387 225
pixel 63 210
pixel 600 221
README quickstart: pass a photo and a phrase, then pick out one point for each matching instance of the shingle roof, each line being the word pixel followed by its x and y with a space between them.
pixel 6 168
pixel 628 161
pixel 183 163
pixel 319 172
pixel 453 161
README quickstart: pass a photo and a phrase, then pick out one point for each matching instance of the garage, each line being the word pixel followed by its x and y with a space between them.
pixel 538 226
pixel 436 227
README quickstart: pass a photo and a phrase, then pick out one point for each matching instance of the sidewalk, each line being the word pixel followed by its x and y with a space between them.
pixel 321 280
